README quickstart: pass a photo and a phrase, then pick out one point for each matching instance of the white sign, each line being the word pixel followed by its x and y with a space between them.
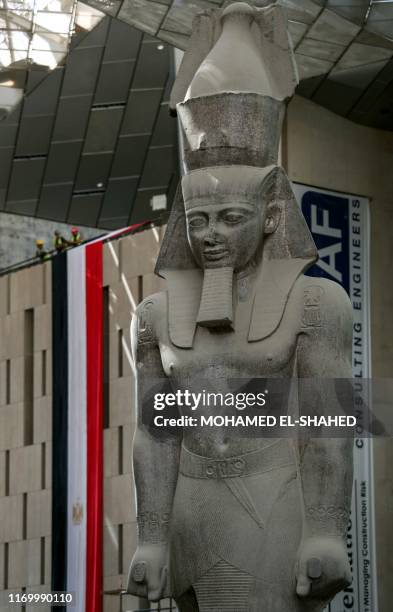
pixel 339 224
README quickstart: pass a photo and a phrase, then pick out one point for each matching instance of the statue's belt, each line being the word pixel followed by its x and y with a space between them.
pixel 276 455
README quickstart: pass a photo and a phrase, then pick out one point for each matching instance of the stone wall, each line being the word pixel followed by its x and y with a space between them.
pixel 25 429
pixel 25 418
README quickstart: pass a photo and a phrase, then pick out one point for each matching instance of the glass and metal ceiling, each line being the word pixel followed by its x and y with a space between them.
pixel 323 31
pixel 344 48
pixel 39 31
pixel 35 35
pixel 92 143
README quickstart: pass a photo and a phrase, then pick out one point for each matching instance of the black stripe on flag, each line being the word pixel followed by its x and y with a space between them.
pixel 60 422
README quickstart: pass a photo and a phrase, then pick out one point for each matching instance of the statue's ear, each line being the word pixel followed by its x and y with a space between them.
pixel 289 236
pixel 272 217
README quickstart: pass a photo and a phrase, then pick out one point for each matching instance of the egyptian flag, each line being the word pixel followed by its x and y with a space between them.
pixel 77 474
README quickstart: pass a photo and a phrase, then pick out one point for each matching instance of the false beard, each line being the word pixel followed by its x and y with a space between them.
pixel 216 306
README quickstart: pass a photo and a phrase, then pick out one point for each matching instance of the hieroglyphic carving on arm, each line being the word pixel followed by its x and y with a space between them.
pixel 312 297
pixel 326 517
pixel 153 527
pixel 145 327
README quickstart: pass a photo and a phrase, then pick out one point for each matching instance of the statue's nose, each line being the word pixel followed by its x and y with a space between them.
pixel 210 240
pixel 212 234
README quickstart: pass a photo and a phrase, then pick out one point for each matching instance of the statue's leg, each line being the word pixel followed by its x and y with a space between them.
pixel 187 602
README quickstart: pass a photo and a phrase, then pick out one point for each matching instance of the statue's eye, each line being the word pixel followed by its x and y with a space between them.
pixel 234 217
pixel 197 221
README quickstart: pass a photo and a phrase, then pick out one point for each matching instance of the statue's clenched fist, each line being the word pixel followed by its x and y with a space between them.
pixel 148 576
pixel 322 567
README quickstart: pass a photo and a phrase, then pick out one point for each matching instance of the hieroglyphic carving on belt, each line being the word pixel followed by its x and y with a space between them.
pixel 224 468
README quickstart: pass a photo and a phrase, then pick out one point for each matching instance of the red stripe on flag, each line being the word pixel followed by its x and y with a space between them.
pixel 94 350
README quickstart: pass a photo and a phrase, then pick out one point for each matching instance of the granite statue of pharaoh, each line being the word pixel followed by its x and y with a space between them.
pixel 229 522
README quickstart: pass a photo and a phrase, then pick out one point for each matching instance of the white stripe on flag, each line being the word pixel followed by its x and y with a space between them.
pixel 77 427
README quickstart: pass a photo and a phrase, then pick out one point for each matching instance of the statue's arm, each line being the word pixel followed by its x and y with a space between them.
pixel 155 462
pixel 325 464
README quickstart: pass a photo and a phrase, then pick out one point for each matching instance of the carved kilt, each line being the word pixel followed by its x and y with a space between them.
pixel 235 530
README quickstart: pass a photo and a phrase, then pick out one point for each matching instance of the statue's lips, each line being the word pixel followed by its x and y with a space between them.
pixel 215 253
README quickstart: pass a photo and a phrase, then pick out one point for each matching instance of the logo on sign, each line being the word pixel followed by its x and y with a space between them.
pixel 327 218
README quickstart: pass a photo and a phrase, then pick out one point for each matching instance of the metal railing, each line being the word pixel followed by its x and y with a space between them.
pixel 153 607
pixel 36 260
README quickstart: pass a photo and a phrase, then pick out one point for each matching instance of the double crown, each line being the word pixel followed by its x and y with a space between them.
pixel 233 85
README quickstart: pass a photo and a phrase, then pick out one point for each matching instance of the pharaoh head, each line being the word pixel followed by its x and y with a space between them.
pixel 228 213
pixel 227 219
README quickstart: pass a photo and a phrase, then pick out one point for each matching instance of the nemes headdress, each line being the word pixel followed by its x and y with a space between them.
pixel 224 184
pixel 230 95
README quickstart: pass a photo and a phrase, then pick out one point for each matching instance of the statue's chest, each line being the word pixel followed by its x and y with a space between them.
pixel 230 355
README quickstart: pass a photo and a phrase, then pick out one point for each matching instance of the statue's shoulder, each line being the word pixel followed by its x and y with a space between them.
pixel 149 316
pixel 324 305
